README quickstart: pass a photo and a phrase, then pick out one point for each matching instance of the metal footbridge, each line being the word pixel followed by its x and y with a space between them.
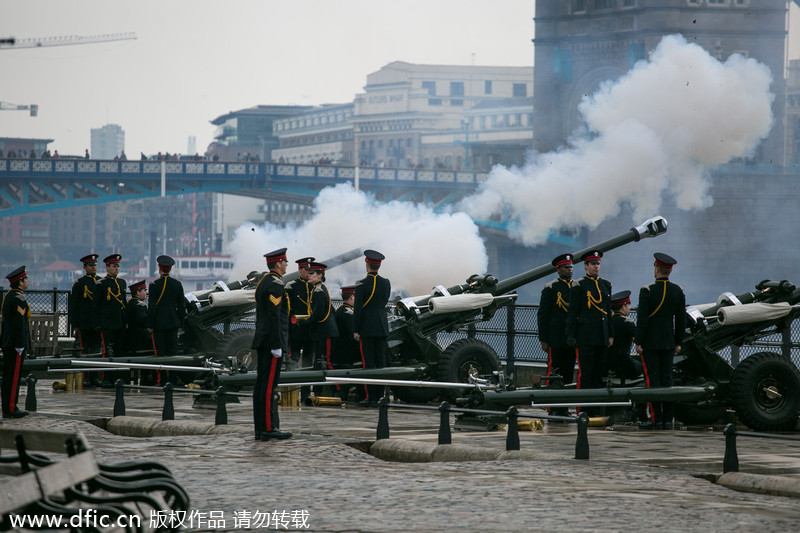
pixel 31 185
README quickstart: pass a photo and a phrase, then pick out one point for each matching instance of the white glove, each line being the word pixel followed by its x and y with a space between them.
pixel 277 352
pixel 19 350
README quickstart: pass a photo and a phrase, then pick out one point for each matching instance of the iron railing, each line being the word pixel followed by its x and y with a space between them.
pixel 512 331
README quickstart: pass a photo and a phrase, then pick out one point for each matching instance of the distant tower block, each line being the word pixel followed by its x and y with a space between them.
pixel 192 145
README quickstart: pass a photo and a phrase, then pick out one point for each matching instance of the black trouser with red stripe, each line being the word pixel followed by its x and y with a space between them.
pixel 561 361
pixel 165 341
pixel 592 368
pixel 302 351
pixel 323 350
pixel 373 355
pixel 90 341
pixel 265 392
pixel 658 373
pixel 113 346
pixel 12 375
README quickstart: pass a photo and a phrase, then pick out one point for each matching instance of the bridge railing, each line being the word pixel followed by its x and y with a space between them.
pixel 376 174
pixel 66 168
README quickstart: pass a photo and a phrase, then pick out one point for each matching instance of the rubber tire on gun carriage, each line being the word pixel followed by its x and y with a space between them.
pixel 417 394
pixel 238 342
pixel 456 360
pixel 753 405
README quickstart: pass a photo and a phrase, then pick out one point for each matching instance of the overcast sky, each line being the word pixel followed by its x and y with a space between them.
pixel 194 60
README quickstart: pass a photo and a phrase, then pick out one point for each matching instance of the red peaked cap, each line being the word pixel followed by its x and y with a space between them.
pixel 561 260
pixel 317 267
pixel 620 298
pixel 593 255
pixel 276 255
pixel 664 261
pixel 165 262
pixel 91 258
pixel 16 274
pixel 374 257
pixel 304 262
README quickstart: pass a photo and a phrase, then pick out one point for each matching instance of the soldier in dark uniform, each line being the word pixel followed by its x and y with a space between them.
pixel 166 308
pixel 321 322
pixel 370 324
pixel 15 340
pixel 619 355
pixel 137 338
pixel 271 341
pixel 660 326
pixel 589 325
pixel 552 319
pixel 110 307
pixel 299 293
pixel 81 306
pixel 346 351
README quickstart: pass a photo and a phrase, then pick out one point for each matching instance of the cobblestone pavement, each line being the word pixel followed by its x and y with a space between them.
pixel 635 480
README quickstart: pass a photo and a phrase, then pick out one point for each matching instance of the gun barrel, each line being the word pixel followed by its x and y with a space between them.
pixel 652 227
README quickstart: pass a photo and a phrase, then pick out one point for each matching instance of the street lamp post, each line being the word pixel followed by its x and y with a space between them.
pixel 466 143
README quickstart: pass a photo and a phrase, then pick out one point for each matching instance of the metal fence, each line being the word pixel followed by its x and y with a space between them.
pixel 518 320
pixel 49 302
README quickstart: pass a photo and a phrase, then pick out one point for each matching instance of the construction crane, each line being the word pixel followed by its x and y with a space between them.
pixel 12 43
pixel 33 108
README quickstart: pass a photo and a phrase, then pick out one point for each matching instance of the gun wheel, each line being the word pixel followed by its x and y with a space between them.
pixel 766 392
pixel 462 357
pixel 238 343
pixel 416 394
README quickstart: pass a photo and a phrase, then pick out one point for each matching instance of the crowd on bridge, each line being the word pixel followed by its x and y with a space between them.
pixel 26 154
pixel 214 156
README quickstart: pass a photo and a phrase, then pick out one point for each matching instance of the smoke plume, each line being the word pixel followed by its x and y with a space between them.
pixel 422 248
pixel 653 136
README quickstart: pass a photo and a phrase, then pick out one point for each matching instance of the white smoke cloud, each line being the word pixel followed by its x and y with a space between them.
pixel 422 248
pixel 654 134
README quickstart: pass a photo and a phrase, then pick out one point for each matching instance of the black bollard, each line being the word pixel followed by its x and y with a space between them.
pixel 512 435
pixel 444 424
pixel 221 417
pixel 30 399
pixel 168 413
pixel 582 444
pixel 383 419
pixel 119 402
pixel 730 463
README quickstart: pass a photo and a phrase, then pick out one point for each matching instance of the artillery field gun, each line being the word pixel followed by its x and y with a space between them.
pixel 764 389
pixel 415 322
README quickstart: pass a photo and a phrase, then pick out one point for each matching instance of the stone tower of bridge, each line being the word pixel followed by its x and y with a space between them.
pixel 580 43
